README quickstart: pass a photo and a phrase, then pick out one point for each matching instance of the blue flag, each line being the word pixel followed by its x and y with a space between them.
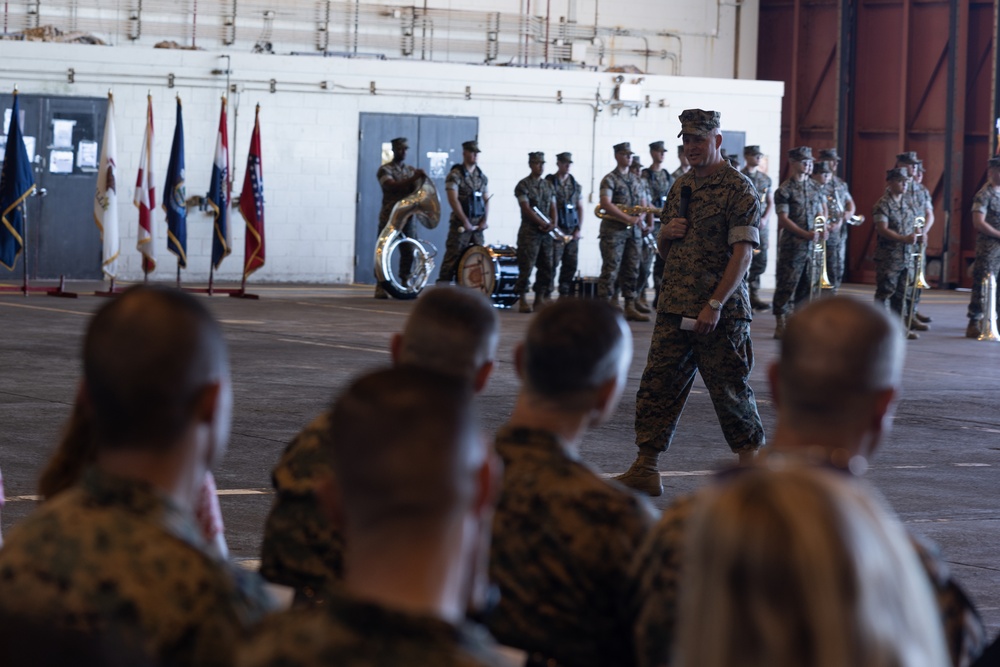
pixel 218 194
pixel 17 181
pixel 174 195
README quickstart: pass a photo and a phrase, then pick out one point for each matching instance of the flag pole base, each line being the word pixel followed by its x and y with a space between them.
pixel 112 290
pixel 26 289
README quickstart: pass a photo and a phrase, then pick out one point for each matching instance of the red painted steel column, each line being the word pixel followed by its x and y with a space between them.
pixel 955 140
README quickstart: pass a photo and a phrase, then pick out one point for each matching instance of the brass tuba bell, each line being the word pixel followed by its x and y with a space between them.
pixel 988 330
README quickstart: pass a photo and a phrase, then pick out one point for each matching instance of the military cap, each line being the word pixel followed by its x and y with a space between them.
pixel 829 154
pixel 699 121
pixel 565 157
pixel 636 160
pixel 471 146
pixel 908 158
pixel 920 165
pixel 623 147
pixel 752 150
pixel 821 168
pixel 537 156
pixel 657 146
pixel 994 162
pixel 896 174
pixel 399 142
pixel 801 154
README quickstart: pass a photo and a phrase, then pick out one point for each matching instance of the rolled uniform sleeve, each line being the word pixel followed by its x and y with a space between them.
pixel 781 201
pixel 521 191
pixel 607 188
pixel 981 202
pixel 744 219
pixel 451 182
pixel 383 175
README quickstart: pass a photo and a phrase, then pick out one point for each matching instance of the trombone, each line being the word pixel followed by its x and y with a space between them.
pixel 819 279
pixel 918 281
pixel 554 232
pixel 988 329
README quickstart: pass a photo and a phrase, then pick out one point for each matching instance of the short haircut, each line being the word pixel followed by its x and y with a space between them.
pixel 572 347
pixel 799 566
pixel 453 330
pixel 405 446
pixel 147 356
pixel 835 354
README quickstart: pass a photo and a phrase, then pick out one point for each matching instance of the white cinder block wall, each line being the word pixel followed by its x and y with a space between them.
pixel 310 135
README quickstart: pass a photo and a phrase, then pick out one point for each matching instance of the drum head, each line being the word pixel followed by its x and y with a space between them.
pixel 477 269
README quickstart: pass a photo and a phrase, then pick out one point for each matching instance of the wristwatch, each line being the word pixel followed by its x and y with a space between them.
pixel 715 304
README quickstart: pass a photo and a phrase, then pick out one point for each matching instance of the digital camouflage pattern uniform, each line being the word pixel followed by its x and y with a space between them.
pixel 837 190
pixel 762 184
pixel 301 548
pixel 658 185
pixel 466 183
pixel 801 201
pixel 656 577
pixel 620 242
pixel 724 210
pixel 565 256
pixel 393 171
pixel 115 557
pixel 563 539
pixel 533 245
pixel 987 202
pixel 348 632
pixel 893 260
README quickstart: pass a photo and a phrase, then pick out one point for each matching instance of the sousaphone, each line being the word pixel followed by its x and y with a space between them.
pixel 393 245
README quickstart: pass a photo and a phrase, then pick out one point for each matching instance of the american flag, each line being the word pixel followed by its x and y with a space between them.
pixel 252 203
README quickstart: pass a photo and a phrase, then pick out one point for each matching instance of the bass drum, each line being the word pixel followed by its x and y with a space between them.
pixel 491 270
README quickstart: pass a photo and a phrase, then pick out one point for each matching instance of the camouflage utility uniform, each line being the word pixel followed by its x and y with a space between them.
pixel 348 632
pixel 533 245
pixel 472 193
pixel 115 557
pixel 393 171
pixel 893 260
pixel 987 202
pixel 565 255
pixel 301 548
pixel 837 190
pixel 653 602
pixel 801 201
pixel 562 541
pixel 658 185
pixel 620 242
pixel 762 184
pixel 724 210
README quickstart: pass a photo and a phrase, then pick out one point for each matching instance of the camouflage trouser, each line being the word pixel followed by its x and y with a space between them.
pixel 405 258
pixel 987 261
pixel 619 251
pixel 533 247
pixel 646 254
pixel 458 241
pixel 724 358
pixel 758 264
pixel 565 257
pixel 794 276
pixel 835 250
pixel 892 274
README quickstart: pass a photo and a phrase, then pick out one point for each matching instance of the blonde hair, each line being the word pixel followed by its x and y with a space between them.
pixel 803 567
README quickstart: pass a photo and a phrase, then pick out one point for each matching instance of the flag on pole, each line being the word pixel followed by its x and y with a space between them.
pixel 175 195
pixel 17 181
pixel 252 204
pixel 145 195
pixel 106 197
pixel 218 194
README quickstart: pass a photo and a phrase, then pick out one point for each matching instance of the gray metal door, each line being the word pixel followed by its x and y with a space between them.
pixel 62 238
pixel 435 144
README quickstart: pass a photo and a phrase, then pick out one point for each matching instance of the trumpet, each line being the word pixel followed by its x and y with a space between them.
pixel 918 281
pixel 819 279
pixel 554 232
pixel 603 214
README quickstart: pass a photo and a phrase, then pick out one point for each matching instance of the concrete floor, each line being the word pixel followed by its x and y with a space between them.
pixel 297 346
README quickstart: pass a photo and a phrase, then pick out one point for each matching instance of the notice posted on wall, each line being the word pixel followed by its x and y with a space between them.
pixel 62 132
pixel 437 165
pixel 86 155
pixel 60 162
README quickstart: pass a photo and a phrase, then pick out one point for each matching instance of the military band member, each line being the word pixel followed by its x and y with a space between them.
pixel 986 220
pixel 894 268
pixel 645 250
pixel 920 200
pixel 569 213
pixel 658 180
pixel 534 240
pixel 762 183
pixel 397 180
pixel 685 165
pixel 621 233
pixel 841 208
pixel 466 186
pixel 798 201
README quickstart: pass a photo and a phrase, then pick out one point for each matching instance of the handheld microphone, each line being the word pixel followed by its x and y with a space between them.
pixel 682 209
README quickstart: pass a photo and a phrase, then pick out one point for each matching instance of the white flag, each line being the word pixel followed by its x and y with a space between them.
pixel 145 195
pixel 106 197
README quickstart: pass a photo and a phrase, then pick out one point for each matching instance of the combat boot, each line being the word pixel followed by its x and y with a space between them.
pixel 522 304
pixel 756 303
pixel 379 292
pixel 779 326
pixel 926 319
pixel 918 325
pixel 973 330
pixel 641 304
pixel 644 475
pixel 632 314
pixel 540 300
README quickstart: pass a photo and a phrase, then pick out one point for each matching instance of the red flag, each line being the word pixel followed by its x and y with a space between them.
pixel 252 204
pixel 145 195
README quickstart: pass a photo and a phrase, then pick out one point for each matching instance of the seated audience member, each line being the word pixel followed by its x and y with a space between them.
pixel 451 330
pixel 415 486
pixel 563 536
pixel 834 388
pixel 119 555
pixel 77 451
pixel 799 567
